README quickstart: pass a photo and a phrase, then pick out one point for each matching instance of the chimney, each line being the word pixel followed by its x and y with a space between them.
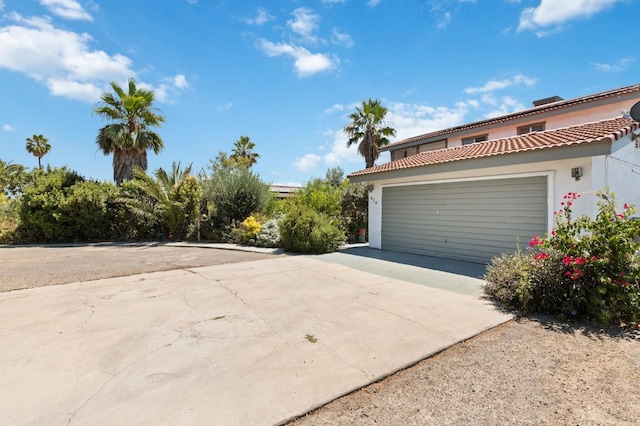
pixel 545 101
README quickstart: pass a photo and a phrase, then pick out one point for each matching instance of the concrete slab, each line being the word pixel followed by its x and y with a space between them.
pixel 252 343
pixel 446 274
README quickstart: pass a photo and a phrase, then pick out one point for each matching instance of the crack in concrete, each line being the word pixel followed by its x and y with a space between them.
pixel 73 413
pixel 355 367
pixel 399 316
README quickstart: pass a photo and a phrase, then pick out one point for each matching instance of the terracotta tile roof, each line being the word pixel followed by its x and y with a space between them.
pixel 528 112
pixel 601 131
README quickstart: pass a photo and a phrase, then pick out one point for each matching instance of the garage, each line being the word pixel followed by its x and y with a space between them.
pixel 466 220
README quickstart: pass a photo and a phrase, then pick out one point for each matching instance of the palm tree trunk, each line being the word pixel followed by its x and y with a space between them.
pixel 124 161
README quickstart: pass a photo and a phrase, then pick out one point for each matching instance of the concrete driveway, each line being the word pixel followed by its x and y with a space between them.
pixel 252 343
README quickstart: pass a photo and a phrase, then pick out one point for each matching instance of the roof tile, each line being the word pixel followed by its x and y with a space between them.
pixel 601 131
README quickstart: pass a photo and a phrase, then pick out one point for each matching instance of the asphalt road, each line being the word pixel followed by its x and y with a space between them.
pixel 37 266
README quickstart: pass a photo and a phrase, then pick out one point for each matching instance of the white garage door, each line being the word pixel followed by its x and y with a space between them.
pixel 471 221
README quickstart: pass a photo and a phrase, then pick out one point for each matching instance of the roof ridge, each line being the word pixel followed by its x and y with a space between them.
pixel 529 111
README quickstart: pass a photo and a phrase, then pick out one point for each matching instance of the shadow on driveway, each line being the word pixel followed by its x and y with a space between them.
pixel 446 274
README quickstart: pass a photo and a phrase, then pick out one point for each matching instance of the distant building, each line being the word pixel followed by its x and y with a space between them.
pixel 284 191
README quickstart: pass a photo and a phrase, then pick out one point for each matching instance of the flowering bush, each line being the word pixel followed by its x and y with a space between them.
pixel 584 268
pixel 251 228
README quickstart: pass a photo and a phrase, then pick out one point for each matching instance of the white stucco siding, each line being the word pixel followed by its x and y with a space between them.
pixel 619 171
pixel 375 216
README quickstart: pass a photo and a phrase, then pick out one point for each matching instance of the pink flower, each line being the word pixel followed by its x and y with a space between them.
pixel 553 232
pixel 542 256
pixel 535 241
pixel 625 206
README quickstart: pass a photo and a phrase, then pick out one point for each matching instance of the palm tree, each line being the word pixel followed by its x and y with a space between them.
pixel 243 152
pixel 130 135
pixel 172 198
pixel 368 130
pixel 11 176
pixel 39 146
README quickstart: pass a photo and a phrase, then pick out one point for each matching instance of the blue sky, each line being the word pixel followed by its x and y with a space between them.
pixel 287 73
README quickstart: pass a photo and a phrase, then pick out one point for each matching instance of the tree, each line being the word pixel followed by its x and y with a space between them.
pixel 11 177
pixel 39 146
pixel 175 198
pixel 335 176
pixel 130 135
pixel 235 193
pixel 369 130
pixel 243 152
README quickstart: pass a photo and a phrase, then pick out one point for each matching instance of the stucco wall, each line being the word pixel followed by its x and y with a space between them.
pixel 620 171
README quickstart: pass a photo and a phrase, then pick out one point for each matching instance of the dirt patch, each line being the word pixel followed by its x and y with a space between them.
pixel 36 266
pixel 527 371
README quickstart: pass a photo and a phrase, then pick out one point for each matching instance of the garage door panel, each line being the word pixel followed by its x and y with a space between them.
pixel 473 220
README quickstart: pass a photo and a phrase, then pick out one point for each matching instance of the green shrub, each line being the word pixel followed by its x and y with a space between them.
pixel 8 219
pixel 303 230
pixel 269 235
pixel 585 268
pixel 320 196
pixel 38 211
pixel 355 208
pixel 235 194
pixel 508 280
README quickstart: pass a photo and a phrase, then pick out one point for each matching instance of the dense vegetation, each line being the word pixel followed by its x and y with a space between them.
pixel 586 268
pixel 229 203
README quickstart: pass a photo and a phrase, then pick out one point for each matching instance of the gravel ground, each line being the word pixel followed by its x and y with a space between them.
pixel 528 371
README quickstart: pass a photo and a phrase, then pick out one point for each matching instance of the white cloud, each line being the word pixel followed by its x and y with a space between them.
pixel 1 5
pixel 225 107
pixel 339 152
pixel 494 85
pixel 60 58
pixel 169 88
pixel 192 1
pixel 180 81
pixel 261 18
pixel 415 119
pixel 444 21
pixel 306 63
pixel 506 105
pixel 8 128
pixel 333 108
pixel 64 62
pixel 69 9
pixel 373 3
pixel 342 39
pixel 73 89
pixel 619 65
pixel 333 1
pixel 307 163
pixel 555 13
pixel 305 23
